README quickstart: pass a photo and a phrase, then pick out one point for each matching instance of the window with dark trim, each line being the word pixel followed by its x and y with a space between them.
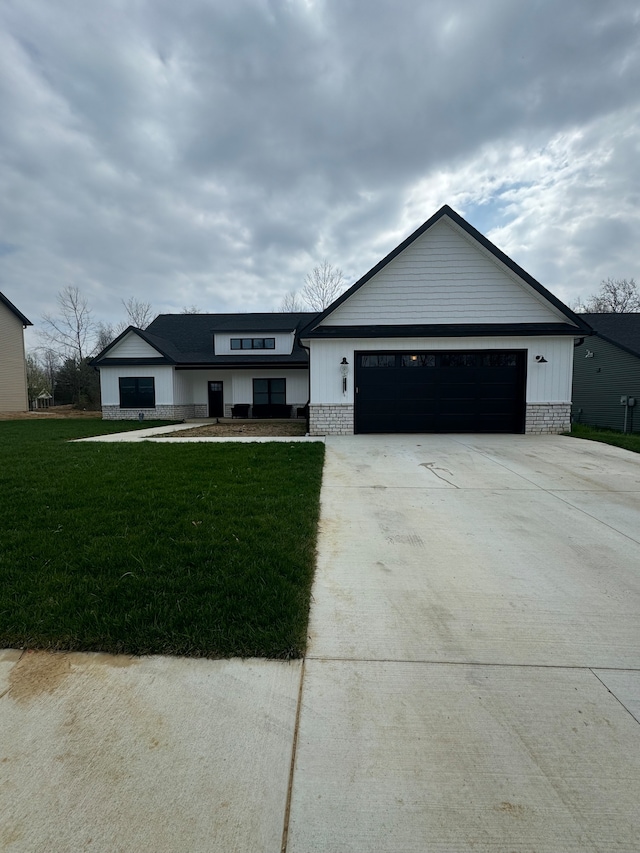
pixel 420 359
pixel 379 360
pixel 137 392
pixel 268 391
pixel 253 343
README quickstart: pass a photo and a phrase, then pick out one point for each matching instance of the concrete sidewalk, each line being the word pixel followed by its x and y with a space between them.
pixel 472 681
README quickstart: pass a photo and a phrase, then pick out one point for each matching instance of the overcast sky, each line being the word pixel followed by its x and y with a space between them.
pixel 212 152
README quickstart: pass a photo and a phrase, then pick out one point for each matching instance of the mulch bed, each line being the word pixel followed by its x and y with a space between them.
pixel 246 428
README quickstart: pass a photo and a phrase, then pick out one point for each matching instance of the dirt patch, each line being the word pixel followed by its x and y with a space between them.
pixel 37 673
pixel 244 428
pixel 52 412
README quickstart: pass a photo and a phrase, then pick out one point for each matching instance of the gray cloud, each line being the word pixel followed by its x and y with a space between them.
pixel 212 153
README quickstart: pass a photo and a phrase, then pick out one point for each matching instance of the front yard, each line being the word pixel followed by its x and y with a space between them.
pixel 187 549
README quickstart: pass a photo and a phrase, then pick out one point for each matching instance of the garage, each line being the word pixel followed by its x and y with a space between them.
pixel 443 391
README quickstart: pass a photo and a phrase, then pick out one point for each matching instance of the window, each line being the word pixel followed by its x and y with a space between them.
pixel 458 359
pixel 137 392
pixel 253 343
pixel 378 360
pixel 266 391
pixel 419 360
pixel 499 359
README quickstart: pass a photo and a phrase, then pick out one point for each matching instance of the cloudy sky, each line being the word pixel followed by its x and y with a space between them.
pixel 212 152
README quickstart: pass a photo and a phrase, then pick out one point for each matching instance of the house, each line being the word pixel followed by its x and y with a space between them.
pixel 13 368
pixel 606 370
pixel 444 334
pixel 206 366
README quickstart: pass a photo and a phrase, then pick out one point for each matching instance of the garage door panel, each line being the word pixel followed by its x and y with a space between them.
pixel 440 392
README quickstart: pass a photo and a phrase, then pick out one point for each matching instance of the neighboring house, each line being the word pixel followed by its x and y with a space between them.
pixel 445 334
pixel 606 368
pixel 13 367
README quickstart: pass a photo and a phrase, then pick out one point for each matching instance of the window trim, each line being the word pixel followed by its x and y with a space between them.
pixel 269 391
pixel 137 400
pixel 236 344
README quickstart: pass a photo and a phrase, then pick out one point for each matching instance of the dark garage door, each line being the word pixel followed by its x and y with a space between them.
pixel 478 391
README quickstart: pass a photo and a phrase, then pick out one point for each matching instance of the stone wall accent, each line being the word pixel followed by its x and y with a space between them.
pixel 331 419
pixel 159 413
pixel 548 418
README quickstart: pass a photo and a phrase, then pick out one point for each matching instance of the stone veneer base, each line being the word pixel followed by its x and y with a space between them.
pixel 331 419
pixel 160 413
pixel 548 418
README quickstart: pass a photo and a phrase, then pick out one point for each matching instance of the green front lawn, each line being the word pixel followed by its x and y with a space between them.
pixel 187 549
pixel 629 441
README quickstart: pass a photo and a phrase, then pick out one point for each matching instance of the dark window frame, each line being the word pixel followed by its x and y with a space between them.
pixel 252 343
pixel 136 397
pixel 270 392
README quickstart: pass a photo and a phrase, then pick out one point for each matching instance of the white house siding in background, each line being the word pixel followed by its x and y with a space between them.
pixel 444 277
pixel 13 372
pixel 548 382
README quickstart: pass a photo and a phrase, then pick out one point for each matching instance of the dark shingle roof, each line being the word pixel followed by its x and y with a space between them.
pixel 187 339
pixel 620 329
pixel 13 309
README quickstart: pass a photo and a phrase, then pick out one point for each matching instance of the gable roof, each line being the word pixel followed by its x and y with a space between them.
pixel 622 330
pixel 314 328
pixel 15 311
pixel 187 339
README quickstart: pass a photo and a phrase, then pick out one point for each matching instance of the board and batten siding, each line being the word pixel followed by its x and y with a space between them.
pixel 110 387
pixel 283 343
pixel 132 346
pixel 444 277
pixel 13 370
pixel 546 383
pixel 600 381
pixel 238 384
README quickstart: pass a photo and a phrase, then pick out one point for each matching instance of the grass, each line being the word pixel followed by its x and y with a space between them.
pixel 185 549
pixel 629 441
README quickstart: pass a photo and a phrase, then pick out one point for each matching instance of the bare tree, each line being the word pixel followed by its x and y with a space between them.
pixel 105 333
pixel 191 309
pixel 291 303
pixel 70 333
pixel 616 296
pixel 322 285
pixel 140 314
pixel 38 379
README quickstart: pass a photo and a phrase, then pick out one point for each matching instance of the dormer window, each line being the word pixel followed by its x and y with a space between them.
pixel 253 343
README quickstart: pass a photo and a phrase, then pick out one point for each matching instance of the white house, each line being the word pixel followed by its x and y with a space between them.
pixel 445 334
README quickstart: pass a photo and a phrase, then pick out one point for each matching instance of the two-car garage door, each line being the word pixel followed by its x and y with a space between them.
pixel 472 391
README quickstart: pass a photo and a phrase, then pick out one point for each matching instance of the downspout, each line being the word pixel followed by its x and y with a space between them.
pixel 302 346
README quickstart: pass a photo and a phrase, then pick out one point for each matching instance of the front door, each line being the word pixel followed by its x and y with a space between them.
pixel 216 401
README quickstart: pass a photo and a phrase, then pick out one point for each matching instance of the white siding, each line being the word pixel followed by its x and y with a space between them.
pixel 13 374
pixel 546 383
pixel 283 343
pixel 110 389
pixel 444 276
pixel 238 384
pixel 132 346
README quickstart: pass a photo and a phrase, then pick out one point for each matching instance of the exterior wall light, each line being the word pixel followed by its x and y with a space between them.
pixel 344 372
pixel 541 359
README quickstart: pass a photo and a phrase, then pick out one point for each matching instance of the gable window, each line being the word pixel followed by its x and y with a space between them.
pixel 253 343
pixel 137 392
pixel 268 391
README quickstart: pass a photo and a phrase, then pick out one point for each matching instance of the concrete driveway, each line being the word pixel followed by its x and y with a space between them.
pixel 472 683
pixel 473 678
